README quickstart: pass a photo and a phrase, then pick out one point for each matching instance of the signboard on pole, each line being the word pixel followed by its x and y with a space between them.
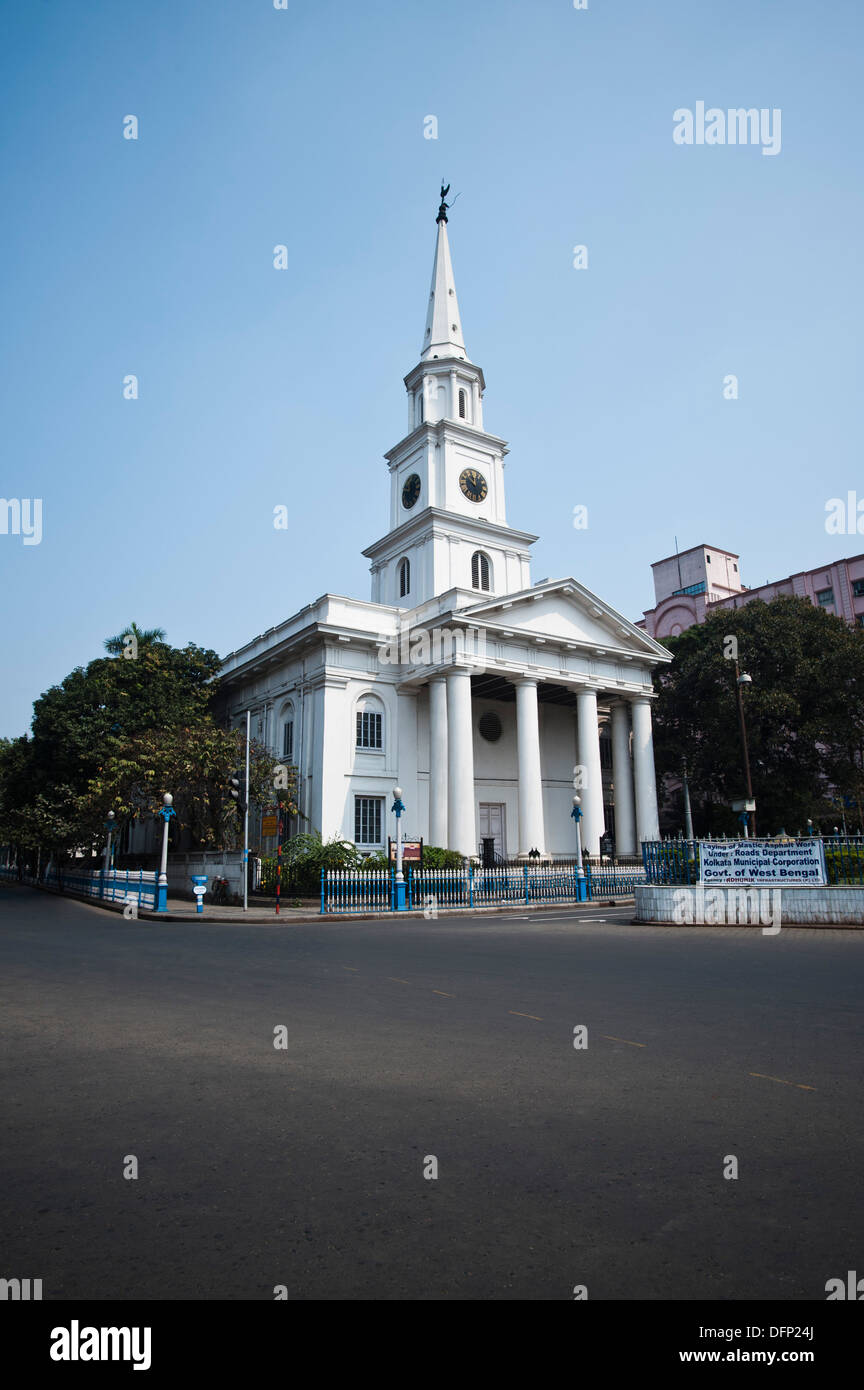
pixel 269 823
pixel 412 851
pixel 762 861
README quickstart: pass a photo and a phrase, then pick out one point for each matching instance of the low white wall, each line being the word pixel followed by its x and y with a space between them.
pixel 797 906
pixel 222 863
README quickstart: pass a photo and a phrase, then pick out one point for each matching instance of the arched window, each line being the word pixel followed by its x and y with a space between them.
pixel 288 736
pixel 370 724
pixel 463 405
pixel 420 407
pixel 480 570
pixel 404 577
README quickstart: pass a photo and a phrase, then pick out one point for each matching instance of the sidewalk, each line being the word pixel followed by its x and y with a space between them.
pixel 258 914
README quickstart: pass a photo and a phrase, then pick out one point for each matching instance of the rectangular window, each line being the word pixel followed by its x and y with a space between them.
pixel 605 751
pixel 824 597
pixel 369 730
pixel 367 819
pixel 288 740
pixel 860 619
pixel 858 588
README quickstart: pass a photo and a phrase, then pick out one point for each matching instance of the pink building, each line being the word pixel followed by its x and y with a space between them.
pixel 691 585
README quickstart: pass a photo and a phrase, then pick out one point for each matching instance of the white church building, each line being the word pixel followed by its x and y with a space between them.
pixel 485 697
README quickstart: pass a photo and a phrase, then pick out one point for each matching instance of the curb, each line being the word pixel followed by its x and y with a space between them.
pixel 499 910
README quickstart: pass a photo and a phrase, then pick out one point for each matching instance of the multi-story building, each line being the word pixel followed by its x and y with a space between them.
pixel 705 579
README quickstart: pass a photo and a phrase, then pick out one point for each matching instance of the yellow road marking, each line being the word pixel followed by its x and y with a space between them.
pixel 610 1038
pixel 764 1077
pixel 398 981
pixel 351 967
pixel 516 1014
pixel 446 996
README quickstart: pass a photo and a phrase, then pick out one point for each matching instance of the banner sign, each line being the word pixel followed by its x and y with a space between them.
pixel 762 861
pixel 412 851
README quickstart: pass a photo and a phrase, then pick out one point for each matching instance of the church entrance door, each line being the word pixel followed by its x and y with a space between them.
pixel 492 825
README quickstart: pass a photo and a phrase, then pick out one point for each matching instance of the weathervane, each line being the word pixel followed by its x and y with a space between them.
pixel 442 211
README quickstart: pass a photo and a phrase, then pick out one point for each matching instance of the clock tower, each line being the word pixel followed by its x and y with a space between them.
pixel 448 526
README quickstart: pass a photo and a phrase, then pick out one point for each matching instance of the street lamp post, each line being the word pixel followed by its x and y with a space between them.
pixel 398 808
pixel 109 826
pixel 742 679
pixel 688 815
pixel 166 813
pixel 581 885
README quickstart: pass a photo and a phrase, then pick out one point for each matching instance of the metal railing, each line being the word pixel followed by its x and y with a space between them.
pixel 346 890
pixel 123 885
pixel 612 882
pixel 678 861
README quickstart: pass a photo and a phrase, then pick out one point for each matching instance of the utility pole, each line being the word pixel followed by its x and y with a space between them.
pixel 246 820
pixel 744 679
pixel 688 818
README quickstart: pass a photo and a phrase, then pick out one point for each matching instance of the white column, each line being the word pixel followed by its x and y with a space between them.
pixel 647 820
pixel 593 823
pixel 438 762
pixel 462 829
pixel 531 832
pixel 622 781
pixel 453 412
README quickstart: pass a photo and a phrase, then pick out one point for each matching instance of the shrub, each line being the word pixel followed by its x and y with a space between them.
pixel 436 858
pixel 303 858
pixel 844 864
pixel 378 860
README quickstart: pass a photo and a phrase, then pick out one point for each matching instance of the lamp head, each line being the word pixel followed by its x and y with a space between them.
pixel 167 799
pixel 397 793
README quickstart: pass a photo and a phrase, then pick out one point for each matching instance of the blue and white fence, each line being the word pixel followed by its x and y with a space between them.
pixel 117 885
pixel 679 861
pixel 346 890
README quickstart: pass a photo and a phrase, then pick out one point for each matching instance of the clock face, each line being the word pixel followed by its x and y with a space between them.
pixel 473 484
pixel 410 491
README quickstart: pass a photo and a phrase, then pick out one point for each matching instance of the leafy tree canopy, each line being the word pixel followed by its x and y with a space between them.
pixel 115 735
pixel 804 714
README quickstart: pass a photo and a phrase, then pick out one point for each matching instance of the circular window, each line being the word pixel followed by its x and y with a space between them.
pixel 490 727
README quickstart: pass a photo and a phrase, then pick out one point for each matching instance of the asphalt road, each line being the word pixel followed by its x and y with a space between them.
pixel 303 1166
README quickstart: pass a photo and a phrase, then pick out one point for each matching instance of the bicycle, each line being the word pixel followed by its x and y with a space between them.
pixel 219 892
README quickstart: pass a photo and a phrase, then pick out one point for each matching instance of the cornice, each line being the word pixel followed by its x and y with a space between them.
pixel 444 523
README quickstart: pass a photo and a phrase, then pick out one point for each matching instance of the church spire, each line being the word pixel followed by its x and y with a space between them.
pixel 443 336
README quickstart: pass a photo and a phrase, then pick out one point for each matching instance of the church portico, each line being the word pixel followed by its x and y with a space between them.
pixel 490 700
pixel 521 744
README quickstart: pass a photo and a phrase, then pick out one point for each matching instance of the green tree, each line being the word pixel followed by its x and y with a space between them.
pixel 115 735
pixel 143 637
pixel 804 714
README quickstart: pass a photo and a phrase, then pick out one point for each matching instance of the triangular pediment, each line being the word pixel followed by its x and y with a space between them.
pixel 565 611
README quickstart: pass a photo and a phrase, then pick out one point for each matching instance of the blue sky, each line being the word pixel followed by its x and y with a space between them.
pixel 260 387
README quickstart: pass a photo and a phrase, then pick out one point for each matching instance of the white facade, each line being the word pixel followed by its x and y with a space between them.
pixel 479 694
